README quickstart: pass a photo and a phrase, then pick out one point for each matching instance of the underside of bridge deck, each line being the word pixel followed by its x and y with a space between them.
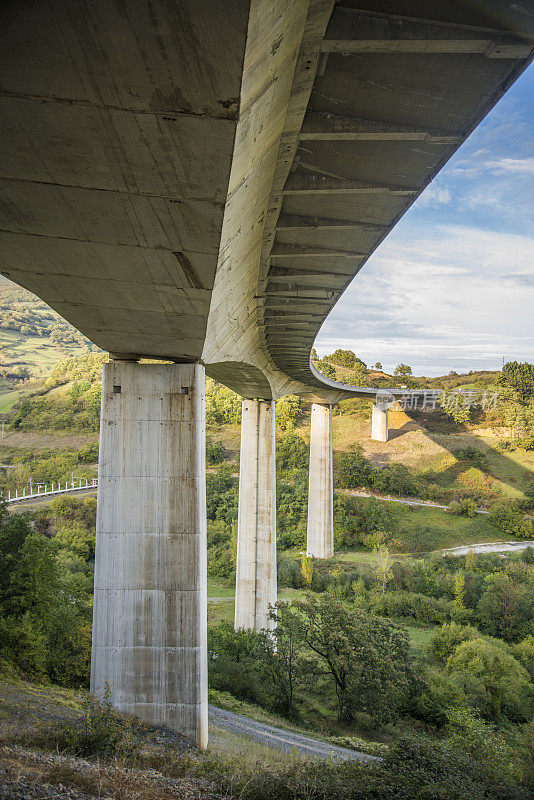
pixel 397 86
pixel 117 126
pixel 174 196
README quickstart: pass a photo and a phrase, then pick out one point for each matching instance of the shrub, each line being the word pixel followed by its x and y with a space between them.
pixel 494 681
pixel 88 454
pixel 292 452
pixel 215 451
pixel 480 741
pixel 524 652
pixel 510 520
pixel 412 604
pixel 445 641
pixel 353 469
pixel 101 732
pixel 396 479
pixel 465 507
pixel 362 745
pixel 234 663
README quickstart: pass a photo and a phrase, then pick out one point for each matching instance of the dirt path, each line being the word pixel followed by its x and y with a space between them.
pixel 287 741
pixel 489 547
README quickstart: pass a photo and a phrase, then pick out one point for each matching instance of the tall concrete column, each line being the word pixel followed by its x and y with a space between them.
pixel 320 542
pixel 256 528
pixel 149 623
pixel 379 430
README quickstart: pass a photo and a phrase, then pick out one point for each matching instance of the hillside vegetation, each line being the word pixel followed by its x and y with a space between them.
pixel 33 338
pixel 428 655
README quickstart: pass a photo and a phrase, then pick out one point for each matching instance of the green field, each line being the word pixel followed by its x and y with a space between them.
pixel 8 397
pixel 423 530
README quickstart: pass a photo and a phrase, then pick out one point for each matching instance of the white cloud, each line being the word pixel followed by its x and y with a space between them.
pixel 439 297
pixel 435 196
pixel 522 166
pixel 452 286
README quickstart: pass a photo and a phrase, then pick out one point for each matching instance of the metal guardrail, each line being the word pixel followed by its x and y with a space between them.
pixel 44 491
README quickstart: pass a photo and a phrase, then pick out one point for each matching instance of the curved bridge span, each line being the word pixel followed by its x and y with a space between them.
pixel 198 182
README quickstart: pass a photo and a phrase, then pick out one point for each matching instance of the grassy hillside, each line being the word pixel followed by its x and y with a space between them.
pixel 33 338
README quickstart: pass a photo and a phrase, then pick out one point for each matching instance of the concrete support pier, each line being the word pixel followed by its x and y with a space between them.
pixel 379 430
pixel 320 540
pixel 256 530
pixel 149 622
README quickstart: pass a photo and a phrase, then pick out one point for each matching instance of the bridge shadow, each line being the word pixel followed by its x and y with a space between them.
pixel 394 433
pixel 489 464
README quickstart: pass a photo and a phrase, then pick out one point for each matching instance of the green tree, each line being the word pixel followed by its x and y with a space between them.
pixel 444 642
pixel 292 452
pixel 36 580
pixel 222 405
pixel 366 658
pixel 352 468
pixel 382 566
pixel 288 411
pixel 282 656
pixel 524 652
pixel 13 533
pixel 459 588
pixel 345 358
pixel 402 370
pixel 506 608
pixel 520 377
pixel 493 680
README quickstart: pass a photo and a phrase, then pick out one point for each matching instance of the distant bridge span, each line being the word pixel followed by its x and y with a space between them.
pixel 199 181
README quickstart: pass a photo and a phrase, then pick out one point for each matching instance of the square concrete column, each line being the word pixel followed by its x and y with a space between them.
pixel 149 623
pixel 379 431
pixel 320 542
pixel 256 529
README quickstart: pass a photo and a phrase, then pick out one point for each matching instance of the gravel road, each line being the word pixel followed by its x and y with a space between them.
pixel 488 547
pixel 281 739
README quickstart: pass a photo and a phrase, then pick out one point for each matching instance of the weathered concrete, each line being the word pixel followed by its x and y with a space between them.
pixel 149 634
pixel 320 543
pixel 157 172
pixel 379 430
pixel 117 126
pixel 256 531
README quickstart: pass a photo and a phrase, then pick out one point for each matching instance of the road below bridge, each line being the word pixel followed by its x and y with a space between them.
pixel 280 739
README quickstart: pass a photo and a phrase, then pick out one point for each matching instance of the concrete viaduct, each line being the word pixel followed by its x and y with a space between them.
pixel 198 181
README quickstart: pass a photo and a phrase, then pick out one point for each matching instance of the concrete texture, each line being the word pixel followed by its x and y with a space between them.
pixel 149 623
pixel 320 540
pixel 379 423
pixel 256 527
pixel 117 125
pixel 175 194
pixel 354 110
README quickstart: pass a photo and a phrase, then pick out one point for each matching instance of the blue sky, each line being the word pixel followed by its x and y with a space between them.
pixel 452 286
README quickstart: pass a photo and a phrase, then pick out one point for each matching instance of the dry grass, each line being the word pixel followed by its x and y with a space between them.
pixel 100 779
pixel 34 440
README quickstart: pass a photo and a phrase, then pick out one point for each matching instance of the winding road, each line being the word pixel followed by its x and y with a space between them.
pixel 280 739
